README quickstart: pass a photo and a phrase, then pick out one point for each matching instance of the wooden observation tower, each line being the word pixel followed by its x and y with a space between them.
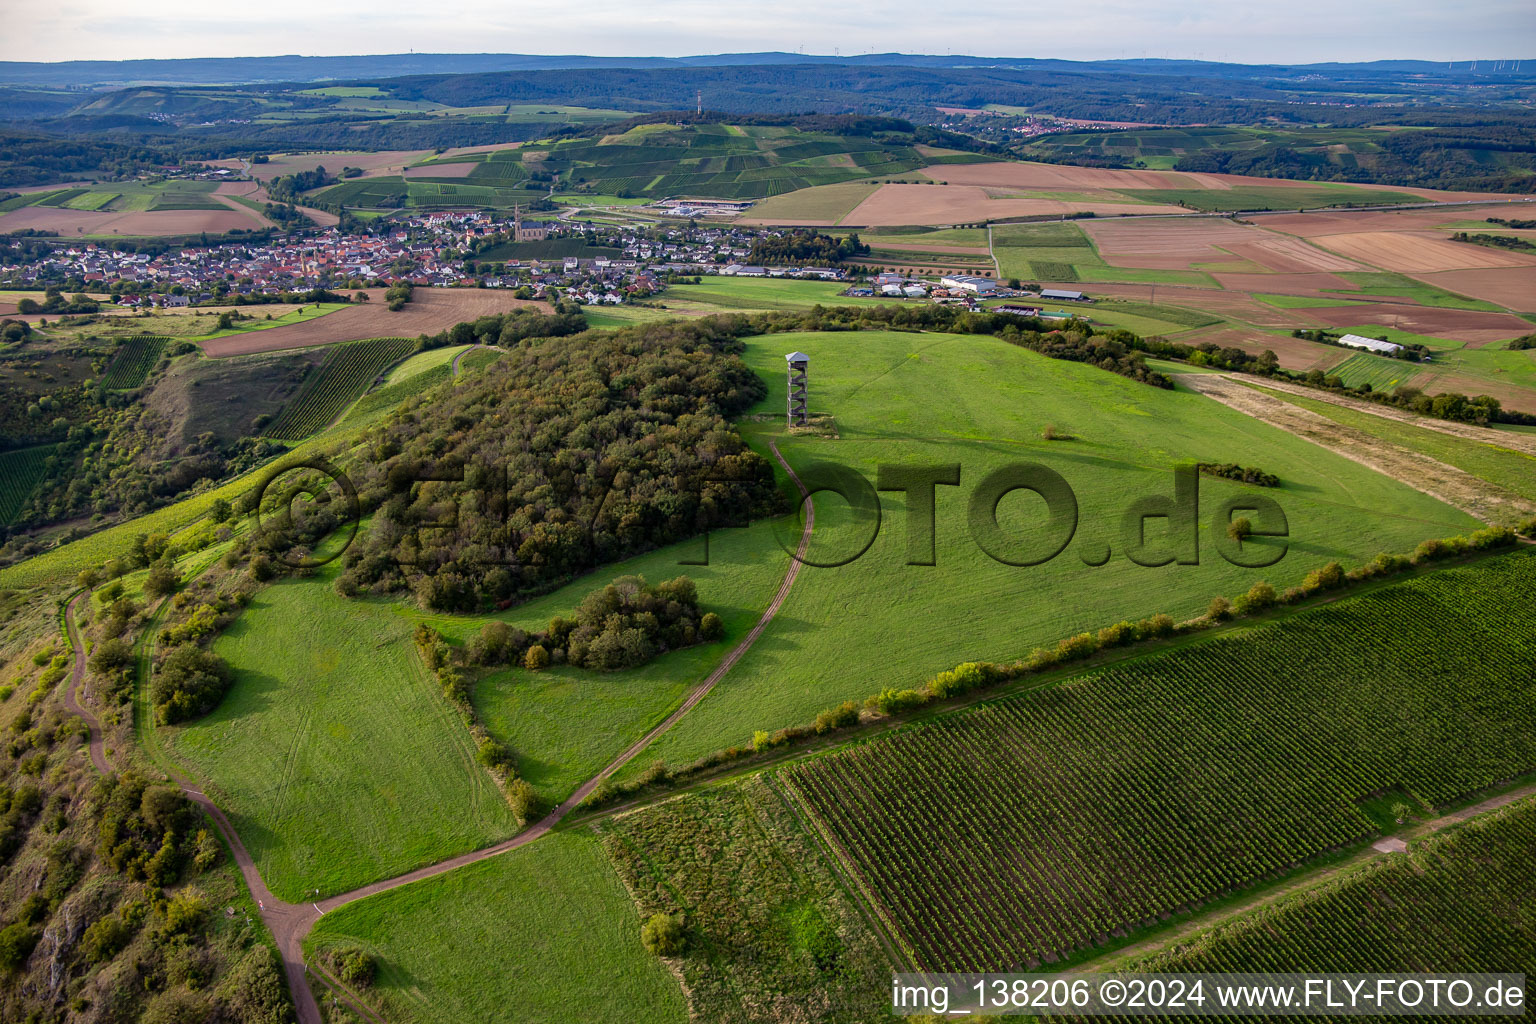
pixel 798 363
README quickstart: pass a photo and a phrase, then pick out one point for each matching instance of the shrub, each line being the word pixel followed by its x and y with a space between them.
pixel 664 935
pixel 190 682
pixel 1220 609
pixel 106 938
pixel 1260 595
pixel 1328 577
pixel 357 968
pixel 16 943
pixel 710 627
pixel 537 658
pixel 1079 646
pixel 893 701
pixel 1156 626
pixel 840 717
pixel 1240 528
pixel 1118 635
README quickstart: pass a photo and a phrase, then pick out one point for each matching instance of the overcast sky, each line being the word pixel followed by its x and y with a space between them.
pixel 1248 31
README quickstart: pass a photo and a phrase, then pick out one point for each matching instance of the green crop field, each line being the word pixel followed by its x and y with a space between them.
pixel 1276 734
pixel 335 753
pixel 824 204
pixel 336 383
pixel 1397 285
pixel 1460 900
pixel 1381 373
pixel 546 933
pixel 21 470
pixel 910 398
pixel 1270 197
pixel 135 358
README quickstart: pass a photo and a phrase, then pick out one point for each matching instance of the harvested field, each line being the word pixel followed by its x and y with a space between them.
pixel 393 161
pixel 429 311
pixel 1284 254
pixel 941 250
pixel 1167 244
pixel 1236 305
pixel 137 223
pixel 1293 353
pixel 458 170
pixel 1420 252
pixel 1511 396
pixel 1514 287
pixel 1335 222
pixel 1284 284
pixel 1471 326
pixel 1059 176
pixel 966 204
pixel 1453 486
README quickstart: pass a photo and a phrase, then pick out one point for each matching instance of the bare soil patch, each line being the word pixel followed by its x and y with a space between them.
pixel 1475 327
pixel 1285 284
pixel 429 311
pixel 1236 305
pixel 1293 353
pixel 892 205
pixel 1167 244
pixel 1453 486
pixel 1514 287
pixel 1054 176
pixel 1336 222
pixel 1511 396
pixel 390 161
pixel 1420 252
pixel 1285 254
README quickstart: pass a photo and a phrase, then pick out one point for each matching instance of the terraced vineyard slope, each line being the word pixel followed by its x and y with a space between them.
pixel 346 373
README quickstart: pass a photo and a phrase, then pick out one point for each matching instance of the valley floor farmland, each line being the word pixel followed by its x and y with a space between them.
pixel 1276 735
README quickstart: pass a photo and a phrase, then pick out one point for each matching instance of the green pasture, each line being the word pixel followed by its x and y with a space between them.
pixel 423 361
pixel 851 631
pixel 715 294
pixel 1269 197
pixel 335 754
pixel 1382 283
pixel 542 933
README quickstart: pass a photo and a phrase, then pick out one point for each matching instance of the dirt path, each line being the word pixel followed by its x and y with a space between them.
pixel 1455 487
pixel 76 677
pixel 454 368
pixel 289 923
pixel 1524 443
pixel 1147 947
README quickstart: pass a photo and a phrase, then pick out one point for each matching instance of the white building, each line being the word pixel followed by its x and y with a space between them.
pixel 1370 344
pixel 970 283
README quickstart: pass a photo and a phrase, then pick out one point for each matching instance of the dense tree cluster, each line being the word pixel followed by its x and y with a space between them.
pixel 1242 474
pixel 629 622
pixel 561 456
pixel 806 247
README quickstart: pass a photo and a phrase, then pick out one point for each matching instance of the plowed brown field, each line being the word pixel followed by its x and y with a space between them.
pixel 967 204
pixel 1417 252
pixel 429 311
pixel 1514 287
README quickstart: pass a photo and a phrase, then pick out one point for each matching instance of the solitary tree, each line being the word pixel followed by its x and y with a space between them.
pixel 664 934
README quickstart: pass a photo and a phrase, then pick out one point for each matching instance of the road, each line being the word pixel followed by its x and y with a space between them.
pixel 289 923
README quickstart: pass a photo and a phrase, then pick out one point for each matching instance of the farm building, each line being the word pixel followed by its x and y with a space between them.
pixel 970 283
pixel 1018 310
pixel 1370 344
pixel 1062 295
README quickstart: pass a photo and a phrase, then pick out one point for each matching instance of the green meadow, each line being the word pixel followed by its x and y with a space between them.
pixel 335 754
pixel 541 933
pixel 901 398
